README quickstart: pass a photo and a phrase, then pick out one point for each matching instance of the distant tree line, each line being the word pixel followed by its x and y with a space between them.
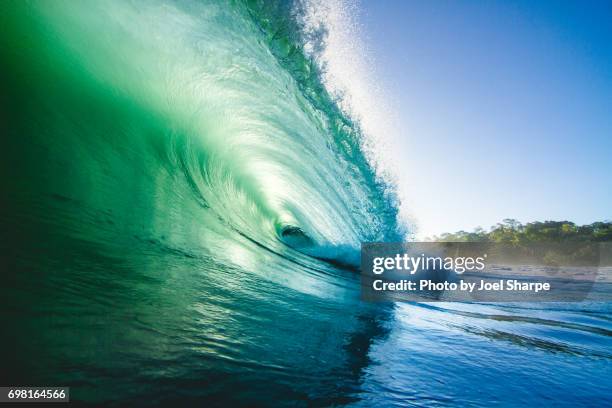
pixel 513 232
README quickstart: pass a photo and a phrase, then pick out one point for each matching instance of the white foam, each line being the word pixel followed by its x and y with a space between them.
pixel 334 39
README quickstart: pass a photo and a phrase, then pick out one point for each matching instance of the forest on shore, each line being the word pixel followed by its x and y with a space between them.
pixel 513 232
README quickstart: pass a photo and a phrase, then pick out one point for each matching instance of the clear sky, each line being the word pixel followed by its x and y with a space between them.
pixel 505 107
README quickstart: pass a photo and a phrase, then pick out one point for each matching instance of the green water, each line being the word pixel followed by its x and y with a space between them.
pixel 170 170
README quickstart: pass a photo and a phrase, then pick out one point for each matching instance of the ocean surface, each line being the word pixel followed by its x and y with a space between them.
pixel 185 192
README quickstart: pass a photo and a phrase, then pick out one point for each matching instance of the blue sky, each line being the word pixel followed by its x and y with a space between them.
pixel 505 107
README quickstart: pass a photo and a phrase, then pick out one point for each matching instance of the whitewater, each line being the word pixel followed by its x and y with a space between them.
pixel 187 186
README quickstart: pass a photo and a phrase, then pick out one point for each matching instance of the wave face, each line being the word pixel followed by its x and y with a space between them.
pixel 186 200
pixel 185 193
pixel 193 111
